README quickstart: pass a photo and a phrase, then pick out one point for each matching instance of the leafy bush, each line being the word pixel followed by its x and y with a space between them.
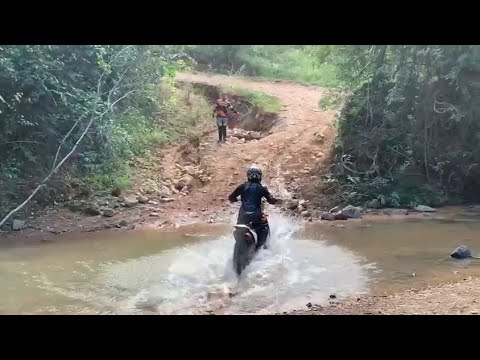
pixel 289 62
pixel 409 133
pixel 49 94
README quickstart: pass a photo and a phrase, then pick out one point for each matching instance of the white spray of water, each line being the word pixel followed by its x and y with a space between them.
pixel 199 277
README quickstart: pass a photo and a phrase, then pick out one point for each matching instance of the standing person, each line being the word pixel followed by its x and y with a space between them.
pixel 220 111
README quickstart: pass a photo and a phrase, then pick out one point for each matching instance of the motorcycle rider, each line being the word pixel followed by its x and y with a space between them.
pixel 251 194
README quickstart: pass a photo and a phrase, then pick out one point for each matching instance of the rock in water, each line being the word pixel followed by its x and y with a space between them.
pixel 461 252
pixel 424 208
pixel 340 216
pixel 18 225
pixel 327 216
pixel 352 212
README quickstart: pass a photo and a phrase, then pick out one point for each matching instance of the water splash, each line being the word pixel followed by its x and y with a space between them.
pixel 199 278
pixel 71 278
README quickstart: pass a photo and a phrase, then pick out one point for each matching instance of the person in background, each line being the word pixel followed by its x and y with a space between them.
pixel 220 112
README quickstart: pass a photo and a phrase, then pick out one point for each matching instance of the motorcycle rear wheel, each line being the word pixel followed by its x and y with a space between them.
pixel 242 255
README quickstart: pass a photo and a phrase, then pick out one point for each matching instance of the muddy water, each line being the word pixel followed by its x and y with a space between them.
pixel 188 271
pixel 409 253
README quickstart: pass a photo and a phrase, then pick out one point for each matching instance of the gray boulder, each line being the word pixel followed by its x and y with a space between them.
pixel 92 209
pixel 327 216
pixel 461 252
pixel 306 214
pixel 142 199
pixel 292 204
pixel 130 201
pixel 18 225
pixel 352 212
pixel 424 208
pixel 108 212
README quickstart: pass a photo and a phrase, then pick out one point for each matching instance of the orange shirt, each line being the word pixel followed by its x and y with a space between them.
pixel 221 107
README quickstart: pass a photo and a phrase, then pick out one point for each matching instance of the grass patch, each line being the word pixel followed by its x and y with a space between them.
pixel 134 135
pixel 293 64
pixel 259 99
pixel 121 178
pixel 184 112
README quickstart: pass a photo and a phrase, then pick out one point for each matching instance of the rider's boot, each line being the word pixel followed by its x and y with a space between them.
pixel 262 234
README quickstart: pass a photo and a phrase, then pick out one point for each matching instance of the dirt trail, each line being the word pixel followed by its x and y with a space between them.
pixel 298 143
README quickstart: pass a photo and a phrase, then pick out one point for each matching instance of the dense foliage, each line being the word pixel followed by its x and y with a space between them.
pixel 292 62
pixel 49 94
pixel 409 134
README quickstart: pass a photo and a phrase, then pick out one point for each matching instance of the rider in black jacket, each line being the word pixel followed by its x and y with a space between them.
pixel 251 194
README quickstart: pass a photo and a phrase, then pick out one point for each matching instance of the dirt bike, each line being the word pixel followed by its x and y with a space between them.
pixel 246 239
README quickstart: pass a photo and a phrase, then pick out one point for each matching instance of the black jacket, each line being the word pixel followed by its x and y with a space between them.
pixel 251 194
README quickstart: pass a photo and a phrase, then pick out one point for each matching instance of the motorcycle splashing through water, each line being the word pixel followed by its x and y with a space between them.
pixel 248 241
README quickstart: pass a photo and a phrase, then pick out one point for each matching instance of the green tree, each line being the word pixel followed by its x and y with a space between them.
pixel 409 132
pixel 57 98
